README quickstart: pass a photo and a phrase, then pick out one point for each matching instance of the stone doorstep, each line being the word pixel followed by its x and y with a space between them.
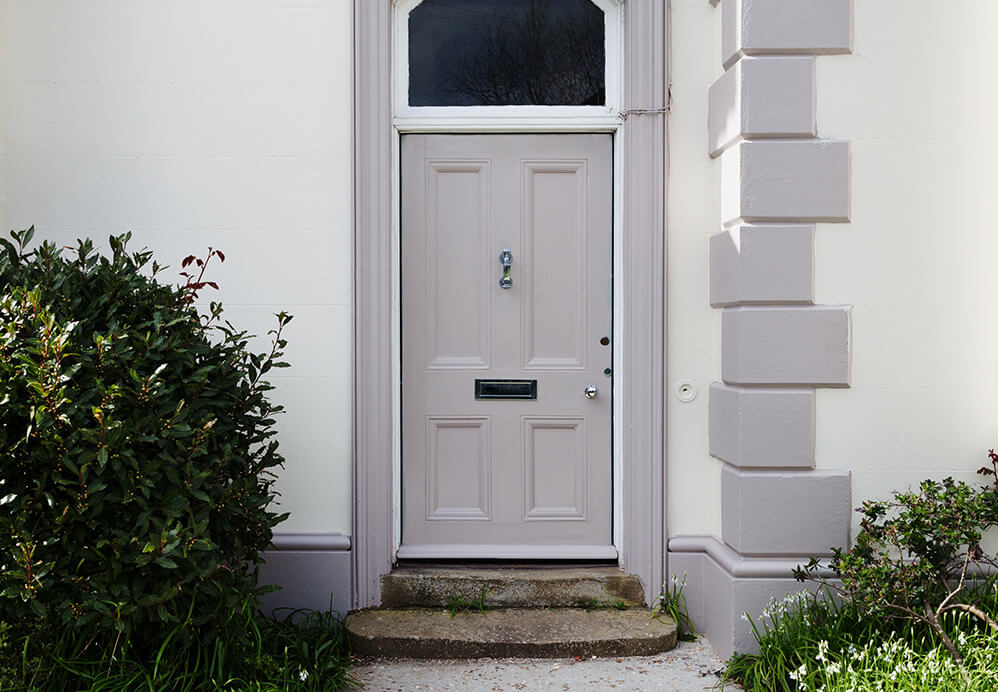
pixel 509 633
pixel 511 587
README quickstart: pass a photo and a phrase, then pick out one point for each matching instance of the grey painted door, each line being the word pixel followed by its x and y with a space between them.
pixel 506 477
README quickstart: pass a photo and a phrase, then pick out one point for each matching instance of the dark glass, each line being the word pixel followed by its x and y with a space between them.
pixel 506 53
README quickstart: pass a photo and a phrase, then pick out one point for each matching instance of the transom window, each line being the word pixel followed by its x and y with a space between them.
pixel 484 56
pixel 507 53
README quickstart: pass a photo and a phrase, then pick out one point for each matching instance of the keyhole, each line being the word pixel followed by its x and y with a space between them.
pixel 605 341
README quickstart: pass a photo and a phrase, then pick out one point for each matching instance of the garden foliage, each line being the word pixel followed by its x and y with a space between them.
pixel 136 448
pixel 915 553
pixel 913 605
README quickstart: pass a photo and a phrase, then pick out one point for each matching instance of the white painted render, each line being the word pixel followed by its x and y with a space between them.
pixel 918 100
pixel 195 124
pixel 693 327
pixel 227 123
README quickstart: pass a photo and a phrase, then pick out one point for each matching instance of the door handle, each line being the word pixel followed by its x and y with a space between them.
pixel 506 259
pixel 592 391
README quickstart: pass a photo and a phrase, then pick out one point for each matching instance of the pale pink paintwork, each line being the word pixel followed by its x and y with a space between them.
pixel 506 478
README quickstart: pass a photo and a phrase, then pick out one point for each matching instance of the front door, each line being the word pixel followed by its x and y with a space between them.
pixel 506 325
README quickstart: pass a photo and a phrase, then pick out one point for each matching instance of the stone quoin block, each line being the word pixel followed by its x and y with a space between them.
pixel 785 180
pixel 759 428
pixel 761 27
pixel 762 97
pixel 785 345
pixel 784 512
pixel 762 264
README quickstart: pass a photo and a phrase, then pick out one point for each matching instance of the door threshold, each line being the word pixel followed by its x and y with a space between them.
pixel 507 552
pixel 462 563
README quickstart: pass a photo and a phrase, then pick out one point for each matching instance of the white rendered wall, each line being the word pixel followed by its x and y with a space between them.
pixel 693 338
pixel 3 122
pixel 195 124
pixel 918 99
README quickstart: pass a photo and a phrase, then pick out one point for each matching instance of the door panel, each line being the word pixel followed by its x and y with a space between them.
pixel 458 468
pixel 458 216
pixel 556 469
pixel 517 478
pixel 555 302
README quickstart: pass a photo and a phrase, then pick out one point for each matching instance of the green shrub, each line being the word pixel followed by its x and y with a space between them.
pixel 914 554
pixel 136 450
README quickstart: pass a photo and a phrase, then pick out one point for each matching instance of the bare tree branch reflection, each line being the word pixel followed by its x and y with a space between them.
pixel 532 57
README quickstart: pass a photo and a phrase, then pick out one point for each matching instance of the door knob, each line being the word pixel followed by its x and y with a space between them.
pixel 592 391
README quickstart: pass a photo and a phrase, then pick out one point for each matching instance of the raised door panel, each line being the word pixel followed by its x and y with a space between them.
pixel 458 469
pixel 555 255
pixel 457 230
pixel 556 473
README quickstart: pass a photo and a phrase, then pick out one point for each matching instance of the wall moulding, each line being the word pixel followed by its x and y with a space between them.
pixel 639 295
pixel 310 541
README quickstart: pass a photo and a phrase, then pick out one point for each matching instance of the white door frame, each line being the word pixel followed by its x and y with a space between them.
pixel 639 270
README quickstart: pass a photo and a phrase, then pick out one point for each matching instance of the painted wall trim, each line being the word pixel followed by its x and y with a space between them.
pixel 716 598
pixel 373 442
pixel 311 541
pixel 641 268
pixel 640 264
pixel 737 565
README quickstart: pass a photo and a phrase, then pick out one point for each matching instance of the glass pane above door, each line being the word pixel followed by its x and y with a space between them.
pixel 507 53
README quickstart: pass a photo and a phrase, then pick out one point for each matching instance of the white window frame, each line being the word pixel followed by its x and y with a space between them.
pixel 507 118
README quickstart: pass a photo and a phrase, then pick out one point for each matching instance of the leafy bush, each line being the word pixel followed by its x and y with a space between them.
pixel 913 555
pixel 136 450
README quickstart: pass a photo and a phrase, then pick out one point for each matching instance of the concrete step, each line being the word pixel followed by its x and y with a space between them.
pixel 519 587
pixel 509 633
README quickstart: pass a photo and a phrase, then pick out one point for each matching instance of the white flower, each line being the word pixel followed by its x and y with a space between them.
pixel 822 651
pixel 303 675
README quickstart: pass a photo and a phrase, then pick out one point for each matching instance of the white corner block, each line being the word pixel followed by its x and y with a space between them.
pixel 786 345
pixel 762 428
pixel 783 180
pixel 788 27
pixel 785 512
pixel 762 97
pixel 762 264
